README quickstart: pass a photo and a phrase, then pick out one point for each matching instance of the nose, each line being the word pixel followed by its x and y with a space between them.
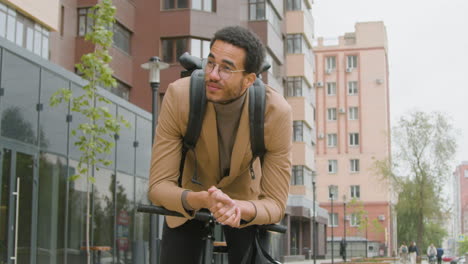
pixel 214 74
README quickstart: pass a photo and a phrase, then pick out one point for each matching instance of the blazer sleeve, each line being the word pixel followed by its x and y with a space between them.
pixel 276 171
pixel 166 154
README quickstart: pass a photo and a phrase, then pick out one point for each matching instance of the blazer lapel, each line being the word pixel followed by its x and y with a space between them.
pixel 241 145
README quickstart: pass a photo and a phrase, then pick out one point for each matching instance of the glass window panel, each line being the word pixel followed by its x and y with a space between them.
pixel 124 219
pixel 125 149
pixel 197 4
pixel 45 47
pixel 143 151
pixel 182 3
pixel 3 18
pixel 76 216
pixel 52 120
pixel 24 170
pixel 37 41
pixel 112 108
pixel 168 50
pixel 4 202
pixel 141 235
pixel 103 209
pixel 81 25
pixel 18 108
pixel 77 119
pixel 181 47
pixel 11 27
pixel 208 5
pixel 19 33
pixel 29 38
pixel 206 48
pixel 195 47
pixel 51 208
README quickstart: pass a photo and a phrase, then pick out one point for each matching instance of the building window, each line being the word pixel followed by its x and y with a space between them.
pixel 122 90
pixel 23 31
pixel 172 49
pixel 354 139
pixel 274 69
pixel 331 114
pixel 332 140
pixel 204 5
pixel 85 22
pixel 332 166
pixel 293 5
pixel 466 174
pixel 355 191
pixel 294 43
pixel 355 221
pixel 332 192
pixel 331 88
pixel 199 48
pixel 297 176
pixel 333 219
pixel 330 63
pixel 122 38
pixel 294 86
pixel 352 88
pixel 257 10
pixel 351 62
pixel 353 113
pixel 354 165
pixel 302 132
pixel 62 20
pixel 175 4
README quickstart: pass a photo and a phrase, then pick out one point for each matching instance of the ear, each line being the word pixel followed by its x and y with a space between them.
pixel 249 79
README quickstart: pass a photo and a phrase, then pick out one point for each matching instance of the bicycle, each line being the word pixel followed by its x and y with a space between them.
pixel 205 216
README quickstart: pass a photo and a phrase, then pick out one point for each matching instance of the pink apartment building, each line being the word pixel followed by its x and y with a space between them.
pixel 353 131
pixel 461 198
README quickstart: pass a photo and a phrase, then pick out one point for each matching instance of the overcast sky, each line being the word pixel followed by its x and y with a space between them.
pixel 428 52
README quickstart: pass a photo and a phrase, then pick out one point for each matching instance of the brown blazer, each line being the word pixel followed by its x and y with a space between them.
pixel 268 191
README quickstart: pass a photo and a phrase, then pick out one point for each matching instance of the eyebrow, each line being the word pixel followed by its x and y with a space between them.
pixel 224 61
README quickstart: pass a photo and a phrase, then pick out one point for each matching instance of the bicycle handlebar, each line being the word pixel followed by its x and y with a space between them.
pixel 203 216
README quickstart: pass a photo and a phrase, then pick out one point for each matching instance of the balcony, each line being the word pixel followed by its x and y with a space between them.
pixel 299 21
pixel 300 65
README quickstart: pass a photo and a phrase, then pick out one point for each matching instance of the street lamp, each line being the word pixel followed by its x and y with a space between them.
pixel 344 226
pixel 154 65
pixel 331 193
pixel 314 220
pixel 367 247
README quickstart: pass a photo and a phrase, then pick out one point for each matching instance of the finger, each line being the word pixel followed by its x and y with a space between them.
pixel 225 214
pixel 230 220
pixel 212 189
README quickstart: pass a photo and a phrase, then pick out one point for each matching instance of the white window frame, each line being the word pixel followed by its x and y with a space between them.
pixel 331 88
pixel 354 165
pixel 332 166
pixel 353 88
pixel 353 139
pixel 330 63
pixel 355 191
pixel 353 113
pixel 354 220
pixel 351 62
pixel 331 114
pixel 333 220
pixel 332 140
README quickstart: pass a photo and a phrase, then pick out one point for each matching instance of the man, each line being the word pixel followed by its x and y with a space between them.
pixel 431 253
pixel 440 253
pixel 343 249
pixel 240 194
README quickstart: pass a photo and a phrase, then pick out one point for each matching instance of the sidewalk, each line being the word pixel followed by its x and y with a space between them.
pixel 336 260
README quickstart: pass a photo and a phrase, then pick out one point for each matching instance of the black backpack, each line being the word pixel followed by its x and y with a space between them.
pixel 257 97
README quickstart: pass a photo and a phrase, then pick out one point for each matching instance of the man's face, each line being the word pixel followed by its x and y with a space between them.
pixel 227 80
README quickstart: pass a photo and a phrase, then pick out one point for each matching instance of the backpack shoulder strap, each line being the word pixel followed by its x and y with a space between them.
pixel 197 100
pixel 257 98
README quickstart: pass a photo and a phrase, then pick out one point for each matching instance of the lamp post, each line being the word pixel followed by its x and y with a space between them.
pixel 331 192
pixel 314 220
pixel 344 226
pixel 367 247
pixel 154 65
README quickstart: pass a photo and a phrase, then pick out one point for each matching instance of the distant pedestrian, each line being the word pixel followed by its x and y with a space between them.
pixel 432 254
pixel 440 253
pixel 343 249
pixel 404 253
pixel 413 252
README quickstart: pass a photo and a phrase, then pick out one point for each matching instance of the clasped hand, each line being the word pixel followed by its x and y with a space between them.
pixel 225 210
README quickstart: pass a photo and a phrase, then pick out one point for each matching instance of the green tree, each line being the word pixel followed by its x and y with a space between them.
pixel 424 147
pixel 91 135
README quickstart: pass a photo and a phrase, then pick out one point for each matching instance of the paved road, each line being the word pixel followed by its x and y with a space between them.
pixel 328 261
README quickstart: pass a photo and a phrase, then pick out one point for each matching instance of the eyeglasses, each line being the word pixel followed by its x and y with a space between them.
pixel 223 71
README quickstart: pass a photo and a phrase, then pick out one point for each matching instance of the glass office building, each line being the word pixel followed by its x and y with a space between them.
pixel 42 213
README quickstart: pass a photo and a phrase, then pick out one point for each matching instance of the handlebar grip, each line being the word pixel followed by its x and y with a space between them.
pixel 274 228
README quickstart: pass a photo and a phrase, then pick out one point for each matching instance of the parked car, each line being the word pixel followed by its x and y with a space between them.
pixel 448 258
pixel 458 260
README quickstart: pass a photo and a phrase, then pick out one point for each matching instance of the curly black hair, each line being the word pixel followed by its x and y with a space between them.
pixel 247 40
